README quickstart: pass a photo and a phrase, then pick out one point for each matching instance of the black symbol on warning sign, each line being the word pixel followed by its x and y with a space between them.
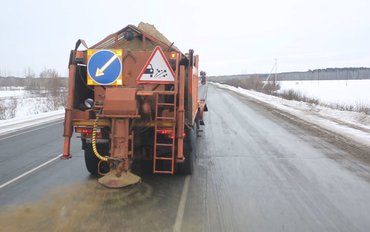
pixel 149 70
pixel 158 73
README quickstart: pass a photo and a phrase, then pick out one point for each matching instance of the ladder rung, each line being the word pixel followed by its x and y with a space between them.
pixel 169 129
pixel 165 104
pixel 169 136
pixel 164 158
pixel 165 144
pixel 165 92
pixel 163 172
pixel 162 119
pixel 166 118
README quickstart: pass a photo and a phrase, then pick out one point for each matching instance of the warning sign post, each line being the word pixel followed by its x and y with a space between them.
pixel 156 69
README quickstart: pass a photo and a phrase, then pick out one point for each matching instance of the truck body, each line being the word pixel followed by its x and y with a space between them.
pixel 133 96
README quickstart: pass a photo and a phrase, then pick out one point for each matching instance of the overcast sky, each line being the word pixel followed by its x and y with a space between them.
pixel 231 36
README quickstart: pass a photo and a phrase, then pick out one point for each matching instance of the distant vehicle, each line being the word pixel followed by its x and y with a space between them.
pixel 203 77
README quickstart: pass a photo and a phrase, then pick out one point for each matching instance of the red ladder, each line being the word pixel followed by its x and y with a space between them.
pixel 164 133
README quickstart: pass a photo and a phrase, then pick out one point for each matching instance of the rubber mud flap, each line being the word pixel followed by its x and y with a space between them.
pixel 190 146
pixel 91 161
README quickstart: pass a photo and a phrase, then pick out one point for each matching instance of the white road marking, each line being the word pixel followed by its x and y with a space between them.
pixel 181 209
pixel 30 171
pixel 24 132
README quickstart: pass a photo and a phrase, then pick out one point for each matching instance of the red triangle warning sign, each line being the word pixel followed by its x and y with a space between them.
pixel 157 69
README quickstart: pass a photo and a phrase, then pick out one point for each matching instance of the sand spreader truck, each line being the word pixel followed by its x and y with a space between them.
pixel 134 96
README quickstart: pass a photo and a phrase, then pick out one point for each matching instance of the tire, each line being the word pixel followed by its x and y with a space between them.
pixel 190 150
pixel 92 161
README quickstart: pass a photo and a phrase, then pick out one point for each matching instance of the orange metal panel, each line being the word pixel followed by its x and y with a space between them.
pixel 181 115
pixel 133 63
pixel 68 112
pixel 120 102
pixel 68 130
pixel 81 115
pixel 194 93
pixel 120 141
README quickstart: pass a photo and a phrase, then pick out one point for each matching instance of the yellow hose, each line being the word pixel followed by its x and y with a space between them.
pixel 93 141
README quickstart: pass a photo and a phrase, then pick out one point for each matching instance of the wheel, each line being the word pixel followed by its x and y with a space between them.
pixel 92 161
pixel 190 150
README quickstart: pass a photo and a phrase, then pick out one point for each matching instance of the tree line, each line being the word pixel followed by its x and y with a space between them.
pixel 48 79
pixel 48 89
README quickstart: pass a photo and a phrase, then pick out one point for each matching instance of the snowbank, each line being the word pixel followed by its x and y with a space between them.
pixel 14 124
pixel 352 125
pixel 332 92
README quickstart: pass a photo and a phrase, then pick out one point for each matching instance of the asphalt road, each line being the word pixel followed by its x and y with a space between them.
pixel 257 170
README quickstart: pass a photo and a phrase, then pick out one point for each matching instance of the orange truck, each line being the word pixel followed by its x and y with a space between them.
pixel 133 96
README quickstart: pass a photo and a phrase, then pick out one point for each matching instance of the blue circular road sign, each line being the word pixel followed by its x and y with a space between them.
pixel 104 67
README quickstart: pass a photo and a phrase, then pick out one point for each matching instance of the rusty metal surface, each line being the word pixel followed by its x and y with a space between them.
pixel 135 100
pixel 68 130
pixel 133 63
pixel 181 115
pixel 120 141
pixel 146 34
pixel 194 90
pixel 120 102
pixel 81 115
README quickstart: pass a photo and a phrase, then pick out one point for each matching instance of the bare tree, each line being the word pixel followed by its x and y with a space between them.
pixel 53 84
pixel 49 73
pixel 8 108
pixel 2 110
pixel 30 75
pixel 51 80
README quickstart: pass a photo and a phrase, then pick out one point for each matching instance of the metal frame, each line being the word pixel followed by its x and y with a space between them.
pixel 185 86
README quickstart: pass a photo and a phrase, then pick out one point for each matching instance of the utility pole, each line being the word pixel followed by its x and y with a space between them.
pixel 273 70
pixel 275 79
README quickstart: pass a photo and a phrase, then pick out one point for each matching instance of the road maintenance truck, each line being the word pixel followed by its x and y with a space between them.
pixel 133 96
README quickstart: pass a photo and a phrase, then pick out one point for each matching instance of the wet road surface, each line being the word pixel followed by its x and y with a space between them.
pixel 257 170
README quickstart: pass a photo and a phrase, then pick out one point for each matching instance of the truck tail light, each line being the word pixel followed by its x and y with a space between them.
pixel 87 132
pixel 165 132
pixel 168 133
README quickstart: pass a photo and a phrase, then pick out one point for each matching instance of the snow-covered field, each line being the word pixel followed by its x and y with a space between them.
pixel 24 109
pixel 333 92
pixel 18 102
pixel 7 92
pixel 353 125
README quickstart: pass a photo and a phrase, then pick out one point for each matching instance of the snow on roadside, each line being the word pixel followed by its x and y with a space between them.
pixel 352 125
pixel 19 102
pixel 333 92
pixel 15 124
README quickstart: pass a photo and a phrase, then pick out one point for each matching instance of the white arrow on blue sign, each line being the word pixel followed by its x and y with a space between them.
pixel 104 67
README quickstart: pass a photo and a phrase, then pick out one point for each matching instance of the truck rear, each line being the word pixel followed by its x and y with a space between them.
pixel 133 96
